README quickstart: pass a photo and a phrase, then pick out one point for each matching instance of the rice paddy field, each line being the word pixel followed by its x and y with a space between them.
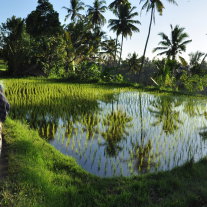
pixel 90 145
pixel 112 131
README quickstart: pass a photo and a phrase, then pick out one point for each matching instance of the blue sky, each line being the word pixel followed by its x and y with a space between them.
pixel 191 14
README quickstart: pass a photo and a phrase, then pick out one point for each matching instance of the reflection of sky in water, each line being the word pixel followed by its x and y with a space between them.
pixel 157 150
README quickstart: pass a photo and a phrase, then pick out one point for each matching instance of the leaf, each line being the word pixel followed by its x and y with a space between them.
pixel 183 61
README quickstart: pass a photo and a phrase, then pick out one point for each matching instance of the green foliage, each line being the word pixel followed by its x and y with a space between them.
pixel 43 102
pixel 118 78
pixel 41 176
pixel 23 53
pixel 174 45
pixel 110 74
pixel 117 3
pixel 89 72
pixel 117 123
pixel 193 83
pixel 95 13
pixel 197 63
pixel 15 45
pixel 151 6
pixel 73 11
pixel 50 54
pixel 133 62
pixel 43 21
pixel 83 46
pixel 164 75
pixel 124 25
pixel 37 171
pixel 110 48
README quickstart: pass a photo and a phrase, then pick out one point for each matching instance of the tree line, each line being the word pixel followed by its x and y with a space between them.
pixel 81 49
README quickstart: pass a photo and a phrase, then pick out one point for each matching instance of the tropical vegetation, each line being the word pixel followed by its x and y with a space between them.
pixel 90 126
pixel 41 46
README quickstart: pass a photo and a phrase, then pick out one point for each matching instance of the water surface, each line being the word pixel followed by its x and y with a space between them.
pixel 121 133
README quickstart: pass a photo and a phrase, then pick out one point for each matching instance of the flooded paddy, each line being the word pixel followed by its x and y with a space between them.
pixel 113 132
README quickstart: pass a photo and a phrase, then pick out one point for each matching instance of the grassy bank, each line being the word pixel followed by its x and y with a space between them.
pixel 39 175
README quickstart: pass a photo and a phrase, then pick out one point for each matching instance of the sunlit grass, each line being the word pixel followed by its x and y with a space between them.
pixel 41 176
pixel 111 131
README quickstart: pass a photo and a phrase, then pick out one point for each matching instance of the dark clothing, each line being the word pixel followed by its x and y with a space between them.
pixel 4 107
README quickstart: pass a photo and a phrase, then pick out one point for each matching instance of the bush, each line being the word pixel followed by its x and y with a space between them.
pixel 118 78
pixel 89 72
pixel 165 72
pixel 193 83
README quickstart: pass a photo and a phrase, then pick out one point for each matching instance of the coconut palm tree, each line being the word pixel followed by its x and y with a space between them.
pixel 134 62
pixel 109 48
pixel 197 58
pixel 174 45
pixel 95 13
pixel 73 11
pixel 114 7
pixel 151 5
pixel 124 25
pixel 116 4
pixel 197 62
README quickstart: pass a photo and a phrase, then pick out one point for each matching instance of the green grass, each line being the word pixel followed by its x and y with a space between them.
pixel 41 176
pixel 3 66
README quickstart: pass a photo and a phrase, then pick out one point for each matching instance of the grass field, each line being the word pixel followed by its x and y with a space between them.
pixel 40 176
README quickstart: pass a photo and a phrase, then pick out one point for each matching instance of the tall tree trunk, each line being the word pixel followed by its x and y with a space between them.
pixel 174 68
pixel 122 38
pixel 116 47
pixel 145 48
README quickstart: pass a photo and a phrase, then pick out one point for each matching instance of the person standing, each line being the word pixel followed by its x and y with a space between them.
pixel 4 109
pixel 4 105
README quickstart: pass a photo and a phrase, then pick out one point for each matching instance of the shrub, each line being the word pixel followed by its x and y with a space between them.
pixel 89 72
pixel 193 83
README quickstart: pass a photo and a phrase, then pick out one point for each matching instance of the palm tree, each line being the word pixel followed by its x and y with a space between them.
pixel 73 11
pixel 114 7
pixel 124 25
pixel 174 45
pixel 95 13
pixel 109 48
pixel 197 58
pixel 134 62
pixel 152 5
pixel 97 37
pixel 116 4
pixel 197 62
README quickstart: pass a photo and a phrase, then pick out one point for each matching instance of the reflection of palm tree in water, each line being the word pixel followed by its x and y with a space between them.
pixel 117 122
pixel 47 130
pixel 164 111
pixel 203 132
pixel 191 109
pixel 90 122
pixel 141 154
pixel 143 160
pixel 46 125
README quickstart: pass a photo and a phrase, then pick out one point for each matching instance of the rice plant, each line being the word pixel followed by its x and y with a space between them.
pixel 112 131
